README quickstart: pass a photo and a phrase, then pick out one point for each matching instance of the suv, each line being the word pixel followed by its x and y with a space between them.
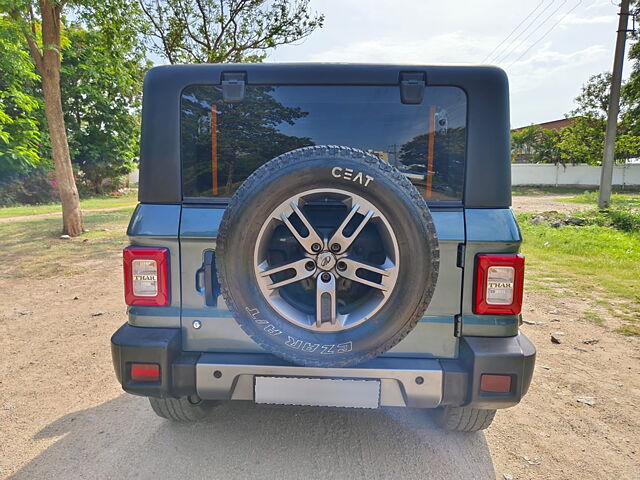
pixel 327 235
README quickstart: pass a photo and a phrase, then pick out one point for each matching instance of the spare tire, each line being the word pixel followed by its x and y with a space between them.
pixel 327 256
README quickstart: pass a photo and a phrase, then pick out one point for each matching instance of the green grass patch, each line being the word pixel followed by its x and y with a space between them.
pixel 596 262
pixel 592 317
pixel 629 330
pixel 130 198
pixel 532 190
pixel 520 190
pixel 33 248
pixel 618 200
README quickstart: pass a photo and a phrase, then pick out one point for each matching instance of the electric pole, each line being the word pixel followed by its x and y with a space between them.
pixel 608 158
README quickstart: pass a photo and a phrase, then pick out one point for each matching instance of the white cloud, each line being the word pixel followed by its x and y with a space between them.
pixel 576 20
pixel 452 47
pixel 545 65
pixel 543 83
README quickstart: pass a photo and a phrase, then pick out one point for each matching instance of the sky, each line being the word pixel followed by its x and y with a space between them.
pixel 548 58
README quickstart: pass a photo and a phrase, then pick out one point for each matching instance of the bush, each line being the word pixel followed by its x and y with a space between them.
pixel 36 188
pixel 624 219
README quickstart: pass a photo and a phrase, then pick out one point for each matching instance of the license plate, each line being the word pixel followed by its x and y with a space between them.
pixel 321 392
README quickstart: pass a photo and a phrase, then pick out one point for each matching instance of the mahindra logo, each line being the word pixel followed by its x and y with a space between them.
pixel 325 261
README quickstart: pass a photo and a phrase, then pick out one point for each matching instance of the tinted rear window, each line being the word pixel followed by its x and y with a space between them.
pixel 223 143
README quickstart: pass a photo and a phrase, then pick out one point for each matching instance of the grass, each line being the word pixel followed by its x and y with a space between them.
pixel 629 330
pixel 33 248
pixel 130 198
pixel 618 200
pixel 532 190
pixel 597 262
pixel 592 317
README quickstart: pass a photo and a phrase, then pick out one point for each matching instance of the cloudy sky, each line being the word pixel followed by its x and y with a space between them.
pixel 548 58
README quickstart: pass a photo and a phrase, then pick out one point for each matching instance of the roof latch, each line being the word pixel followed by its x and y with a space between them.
pixel 412 87
pixel 233 86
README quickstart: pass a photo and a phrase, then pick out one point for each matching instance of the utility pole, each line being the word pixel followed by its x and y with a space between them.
pixel 608 158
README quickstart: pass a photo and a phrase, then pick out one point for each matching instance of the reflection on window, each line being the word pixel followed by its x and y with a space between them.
pixel 223 143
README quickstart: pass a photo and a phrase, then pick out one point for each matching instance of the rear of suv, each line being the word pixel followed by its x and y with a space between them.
pixel 331 235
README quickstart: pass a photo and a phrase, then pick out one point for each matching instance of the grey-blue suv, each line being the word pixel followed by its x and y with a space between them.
pixel 325 234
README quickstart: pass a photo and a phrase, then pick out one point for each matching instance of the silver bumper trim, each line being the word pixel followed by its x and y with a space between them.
pixel 404 382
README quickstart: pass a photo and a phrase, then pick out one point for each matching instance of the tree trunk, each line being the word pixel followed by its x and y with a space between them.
pixel 49 67
pixel 72 223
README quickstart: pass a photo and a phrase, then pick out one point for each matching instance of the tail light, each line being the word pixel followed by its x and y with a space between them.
pixel 146 276
pixel 499 281
pixel 145 372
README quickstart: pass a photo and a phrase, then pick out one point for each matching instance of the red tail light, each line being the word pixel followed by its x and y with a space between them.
pixel 499 281
pixel 146 276
pixel 145 372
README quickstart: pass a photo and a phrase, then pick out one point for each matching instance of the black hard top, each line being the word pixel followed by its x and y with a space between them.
pixel 488 167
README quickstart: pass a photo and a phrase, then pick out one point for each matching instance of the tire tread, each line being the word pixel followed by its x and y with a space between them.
pixel 180 409
pixel 464 419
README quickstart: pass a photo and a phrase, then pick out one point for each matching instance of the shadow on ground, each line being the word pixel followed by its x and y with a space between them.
pixel 124 439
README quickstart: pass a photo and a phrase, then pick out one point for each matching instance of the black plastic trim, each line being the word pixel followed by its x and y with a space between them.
pixel 513 356
pixel 154 345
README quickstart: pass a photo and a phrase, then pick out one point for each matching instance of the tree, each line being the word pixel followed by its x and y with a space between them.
pixel 631 88
pixel 583 141
pixel 537 145
pixel 102 72
pixel 220 31
pixel 19 127
pixel 41 25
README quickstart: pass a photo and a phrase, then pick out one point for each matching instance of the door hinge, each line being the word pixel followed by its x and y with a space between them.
pixel 412 87
pixel 457 325
pixel 233 84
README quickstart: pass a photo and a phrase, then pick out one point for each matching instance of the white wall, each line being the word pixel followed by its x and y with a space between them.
pixel 581 174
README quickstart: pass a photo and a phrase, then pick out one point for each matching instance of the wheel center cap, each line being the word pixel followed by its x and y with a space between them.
pixel 326 261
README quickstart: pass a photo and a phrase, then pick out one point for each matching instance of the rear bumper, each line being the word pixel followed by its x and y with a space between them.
pixel 410 382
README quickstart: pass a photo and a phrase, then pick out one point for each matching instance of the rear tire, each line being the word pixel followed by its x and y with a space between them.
pixel 185 409
pixel 463 419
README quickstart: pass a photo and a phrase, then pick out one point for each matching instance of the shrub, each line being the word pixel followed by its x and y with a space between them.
pixel 35 188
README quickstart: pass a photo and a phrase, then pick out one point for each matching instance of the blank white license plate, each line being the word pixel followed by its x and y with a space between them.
pixel 321 392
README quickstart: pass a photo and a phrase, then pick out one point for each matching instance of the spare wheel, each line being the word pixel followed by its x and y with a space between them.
pixel 327 256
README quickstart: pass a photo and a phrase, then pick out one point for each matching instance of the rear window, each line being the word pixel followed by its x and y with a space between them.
pixel 223 143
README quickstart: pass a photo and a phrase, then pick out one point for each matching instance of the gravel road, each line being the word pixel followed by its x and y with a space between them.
pixel 63 414
pixel 122 438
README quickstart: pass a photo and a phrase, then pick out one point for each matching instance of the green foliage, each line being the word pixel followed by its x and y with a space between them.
pixel 583 140
pixel 580 142
pixel 103 62
pixel 19 125
pixel 101 83
pixel 593 100
pixel 539 145
pixel 35 188
pixel 212 31
pixel 586 260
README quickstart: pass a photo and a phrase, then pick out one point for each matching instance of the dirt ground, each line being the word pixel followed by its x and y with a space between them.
pixel 546 203
pixel 63 414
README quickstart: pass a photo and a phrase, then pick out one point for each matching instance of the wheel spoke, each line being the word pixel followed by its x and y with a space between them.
pixel 339 237
pixel 311 238
pixel 325 300
pixel 298 266
pixel 353 266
